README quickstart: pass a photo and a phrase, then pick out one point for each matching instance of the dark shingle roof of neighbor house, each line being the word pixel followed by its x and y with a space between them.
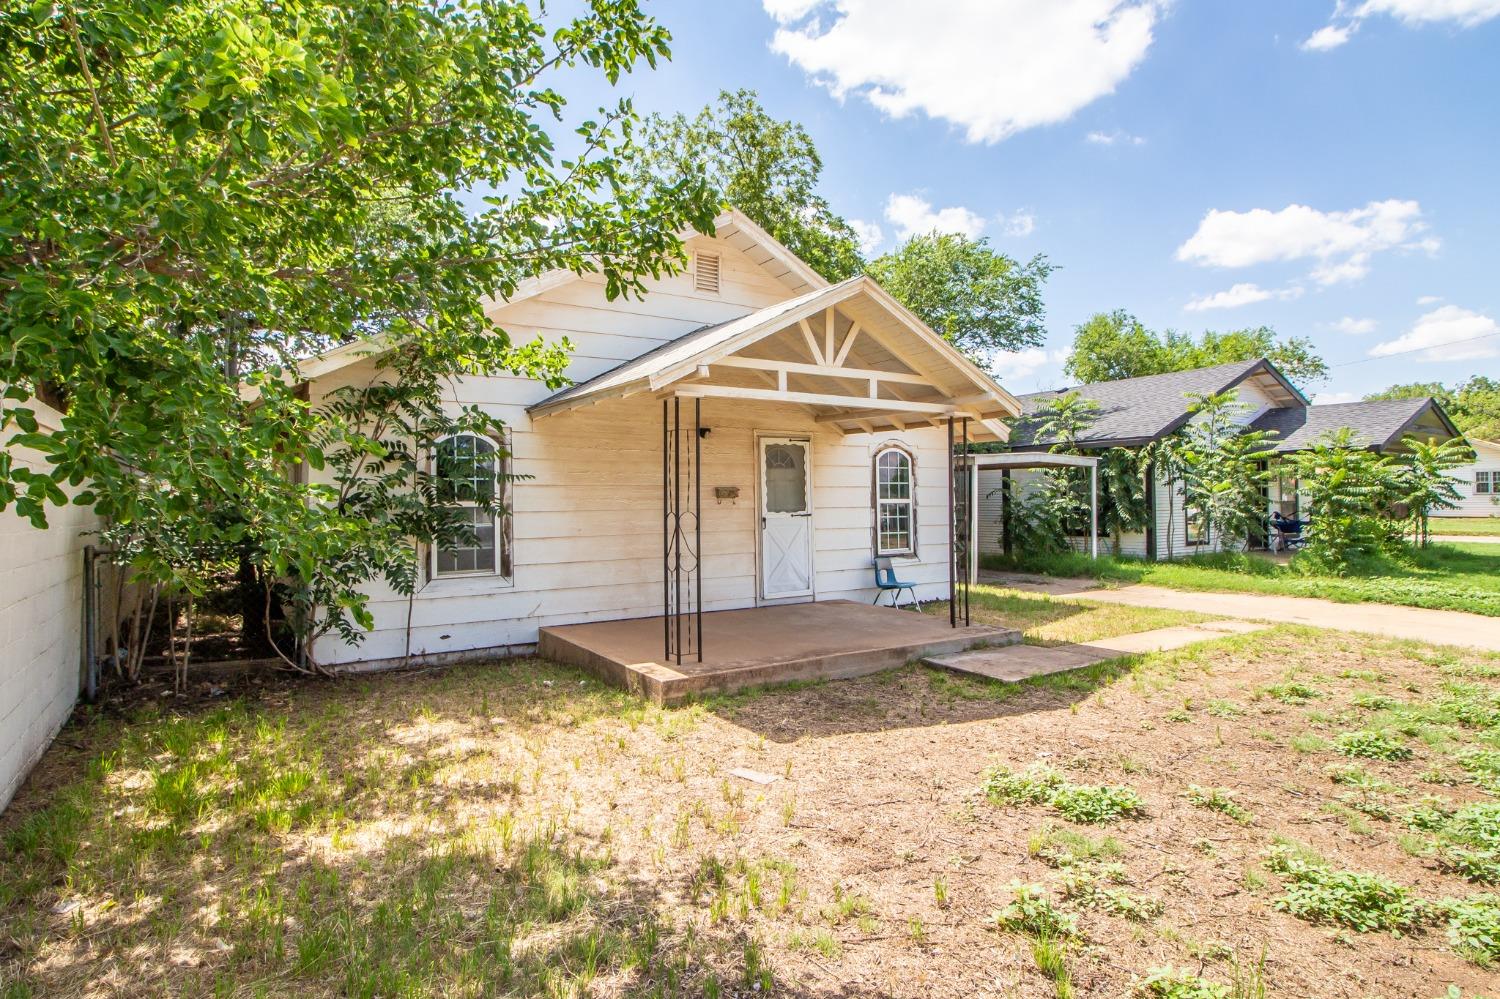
pixel 1376 424
pixel 1134 411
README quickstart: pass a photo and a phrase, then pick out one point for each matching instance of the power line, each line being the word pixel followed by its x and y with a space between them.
pixel 1414 350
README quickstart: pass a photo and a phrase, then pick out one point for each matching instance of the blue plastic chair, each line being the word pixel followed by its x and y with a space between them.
pixel 885 579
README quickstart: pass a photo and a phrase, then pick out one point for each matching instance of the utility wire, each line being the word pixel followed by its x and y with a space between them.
pixel 1414 350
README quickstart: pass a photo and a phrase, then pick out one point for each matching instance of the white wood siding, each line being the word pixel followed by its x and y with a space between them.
pixel 1477 504
pixel 41 605
pixel 587 519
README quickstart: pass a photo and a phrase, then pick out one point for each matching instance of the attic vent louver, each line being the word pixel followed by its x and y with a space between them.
pixel 706 272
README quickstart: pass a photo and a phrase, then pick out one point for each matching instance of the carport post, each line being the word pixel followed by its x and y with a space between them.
pixel 1094 510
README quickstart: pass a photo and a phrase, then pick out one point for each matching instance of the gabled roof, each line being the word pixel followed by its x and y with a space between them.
pixel 708 345
pixel 732 225
pixel 1378 424
pixel 1136 411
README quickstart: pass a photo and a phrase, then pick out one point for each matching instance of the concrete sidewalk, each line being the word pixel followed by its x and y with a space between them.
pixel 1441 627
pixel 1467 539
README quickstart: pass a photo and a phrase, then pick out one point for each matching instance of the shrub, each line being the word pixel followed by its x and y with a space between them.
pixel 1371 745
pixel 1086 803
pixel 1033 786
pixel 1474 927
pixel 1361 902
pixel 1217 799
pixel 1032 912
pixel 1292 692
pixel 1179 983
pixel 1095 804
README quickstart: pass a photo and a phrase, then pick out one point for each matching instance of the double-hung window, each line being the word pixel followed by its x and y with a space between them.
pixel 1486 483
pixel 895 508
pixel 470 474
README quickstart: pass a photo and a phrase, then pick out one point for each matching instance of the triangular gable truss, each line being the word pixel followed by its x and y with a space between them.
pixel 850 354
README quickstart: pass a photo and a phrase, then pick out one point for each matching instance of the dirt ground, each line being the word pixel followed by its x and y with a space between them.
pixel 517 829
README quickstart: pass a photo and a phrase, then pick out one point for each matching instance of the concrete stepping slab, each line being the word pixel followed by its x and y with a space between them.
pixel 1022 662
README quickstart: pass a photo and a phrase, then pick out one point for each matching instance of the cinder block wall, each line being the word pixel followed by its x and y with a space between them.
pixel 41 607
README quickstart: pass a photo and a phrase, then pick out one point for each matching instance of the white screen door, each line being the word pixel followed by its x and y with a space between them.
pixel 785 518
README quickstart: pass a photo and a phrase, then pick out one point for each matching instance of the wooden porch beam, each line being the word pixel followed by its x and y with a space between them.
pixel 843 355
pixel 823 370
pixel 812 399
pixel 812 342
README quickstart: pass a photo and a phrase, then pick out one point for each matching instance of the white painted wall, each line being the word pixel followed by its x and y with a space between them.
pixel 587 519
pixel 41 607
pixel 1476 504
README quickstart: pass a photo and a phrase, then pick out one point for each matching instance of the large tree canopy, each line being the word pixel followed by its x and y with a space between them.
pixel 1112 345
pixel 196 194
pixel 766 168
pixel 981 300
pixel 1474 405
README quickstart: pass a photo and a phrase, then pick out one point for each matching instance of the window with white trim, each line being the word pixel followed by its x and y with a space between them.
pixel 469 473
pixel 895 508
pixel 1486 483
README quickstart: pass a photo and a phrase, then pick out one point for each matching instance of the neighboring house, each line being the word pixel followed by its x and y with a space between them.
pixel 1134 412
pixel 1479 483
pixel 41 601
pixel 813 419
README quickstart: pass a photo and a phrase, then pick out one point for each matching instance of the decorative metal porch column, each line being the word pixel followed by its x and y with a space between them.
pixel 682 531
pixel 960 524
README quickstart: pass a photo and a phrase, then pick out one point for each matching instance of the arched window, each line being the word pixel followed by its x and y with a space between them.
pixel 468 476
pixel 895 514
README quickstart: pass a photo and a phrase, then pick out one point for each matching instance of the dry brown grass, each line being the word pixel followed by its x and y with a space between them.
pixel 518 829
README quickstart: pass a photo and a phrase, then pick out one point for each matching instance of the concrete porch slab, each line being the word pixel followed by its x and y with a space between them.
pixel 826 640
pixel 1022 662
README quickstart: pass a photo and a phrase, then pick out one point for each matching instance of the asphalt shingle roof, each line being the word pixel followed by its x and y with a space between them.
pixel 1133 410
pixel 1374 423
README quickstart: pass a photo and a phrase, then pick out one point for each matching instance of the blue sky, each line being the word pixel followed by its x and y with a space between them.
pixel 1327 169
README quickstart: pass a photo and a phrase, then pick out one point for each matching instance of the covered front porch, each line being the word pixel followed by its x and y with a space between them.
pixel 826 640
pixel 813 439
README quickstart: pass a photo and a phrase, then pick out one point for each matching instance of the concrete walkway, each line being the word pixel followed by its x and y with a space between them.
pixel 1467 539
pixel 1417 623
pixel 1022 662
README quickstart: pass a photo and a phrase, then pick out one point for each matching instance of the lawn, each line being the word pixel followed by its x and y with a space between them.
pixel 1462 577
pixel 1488 526
pixel 1288 813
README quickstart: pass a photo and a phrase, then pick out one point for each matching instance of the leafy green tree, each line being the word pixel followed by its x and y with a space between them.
pixel 1112 345
pixel 1348 488
pixel 1425 482
pixel 1124 506
pixel 766 168
pixel 199 195
pixel 981 300
pixel 1224 469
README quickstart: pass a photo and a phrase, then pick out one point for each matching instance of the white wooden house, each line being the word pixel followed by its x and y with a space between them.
pixel 1134 412
pixel 1478 483
pixel 746 434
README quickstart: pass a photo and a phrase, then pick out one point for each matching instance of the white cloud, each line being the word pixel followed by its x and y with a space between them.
pixel 1429 299
pixel 1464 13
pixel 1244 293
pixel 1447 333
pixel 1017 365
pixel 1354 327
pixel 1330 36
pixel 1341 243
pixel 1334 398
pixel 1111 138
pixel 1018 223
pixel 870 235
pixel 1412 13
pixel 913 215
pixel 991 67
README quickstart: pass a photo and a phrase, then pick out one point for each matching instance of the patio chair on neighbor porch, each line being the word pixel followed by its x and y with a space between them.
pixel 885 579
